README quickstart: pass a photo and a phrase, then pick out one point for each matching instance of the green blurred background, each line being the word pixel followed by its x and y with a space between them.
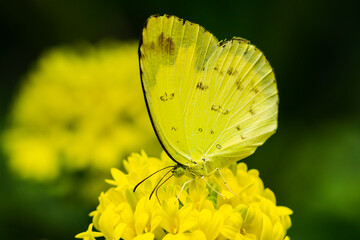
pixel 312 163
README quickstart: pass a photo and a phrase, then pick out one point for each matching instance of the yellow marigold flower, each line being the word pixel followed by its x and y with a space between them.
pixel 79 108
pixel 199 213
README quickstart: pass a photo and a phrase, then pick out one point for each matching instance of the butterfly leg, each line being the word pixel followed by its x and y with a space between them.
pixel 203 178
pixel 187 182
pixel 226 183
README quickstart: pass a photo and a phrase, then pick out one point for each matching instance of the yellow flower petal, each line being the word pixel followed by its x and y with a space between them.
pixel 145 236
pixel 278 231
pixel 267 229
pixel 89 234
pixel 284 210
pixel 229 231
pixel 124 214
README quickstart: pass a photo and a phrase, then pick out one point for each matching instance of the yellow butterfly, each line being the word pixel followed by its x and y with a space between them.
pixel 211 103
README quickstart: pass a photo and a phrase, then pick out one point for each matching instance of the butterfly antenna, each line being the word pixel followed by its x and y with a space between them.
pixel 156 191
pixel 156 186
pixel 150 176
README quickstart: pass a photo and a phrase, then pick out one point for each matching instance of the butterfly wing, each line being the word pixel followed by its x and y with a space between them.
pixel 234 107
pixel 209 102
pixel 172 54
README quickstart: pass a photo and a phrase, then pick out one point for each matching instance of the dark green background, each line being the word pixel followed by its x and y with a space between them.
pixel 312 163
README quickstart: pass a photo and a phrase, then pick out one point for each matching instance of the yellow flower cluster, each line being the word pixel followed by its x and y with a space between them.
pixel 200 213
pixel 79 108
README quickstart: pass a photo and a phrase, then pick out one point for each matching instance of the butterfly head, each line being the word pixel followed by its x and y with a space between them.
pixel 178 170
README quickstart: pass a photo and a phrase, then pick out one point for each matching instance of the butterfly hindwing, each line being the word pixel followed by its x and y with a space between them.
pixel 235 109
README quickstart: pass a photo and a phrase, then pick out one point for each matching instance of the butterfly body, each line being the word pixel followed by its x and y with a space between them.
pixel 211 103
pixel 194 169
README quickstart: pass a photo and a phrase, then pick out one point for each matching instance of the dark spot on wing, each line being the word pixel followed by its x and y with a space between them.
pixel 232 72
pixel 222 43
pixel 166 44
pixel 216 108
pixel 164 97
pixel 239 39
pixel 219 109
pixel 238 85
pixel 152 46
pixel 238 128
pixel 167 97
pixel 216 68
pixel 201 86
pixel 252 111
pixel 203 159
pixel 161 39
pixel 225 112
pixel 200 130
pixel 149 46
pixel 218 146
pixel 211 131
pixel 173 128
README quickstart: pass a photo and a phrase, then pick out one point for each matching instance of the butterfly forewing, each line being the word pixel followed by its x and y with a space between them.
pixel 172 54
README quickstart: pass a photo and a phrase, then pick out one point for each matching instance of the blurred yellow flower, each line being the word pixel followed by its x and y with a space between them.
pixel 79 108
pixel 200 213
